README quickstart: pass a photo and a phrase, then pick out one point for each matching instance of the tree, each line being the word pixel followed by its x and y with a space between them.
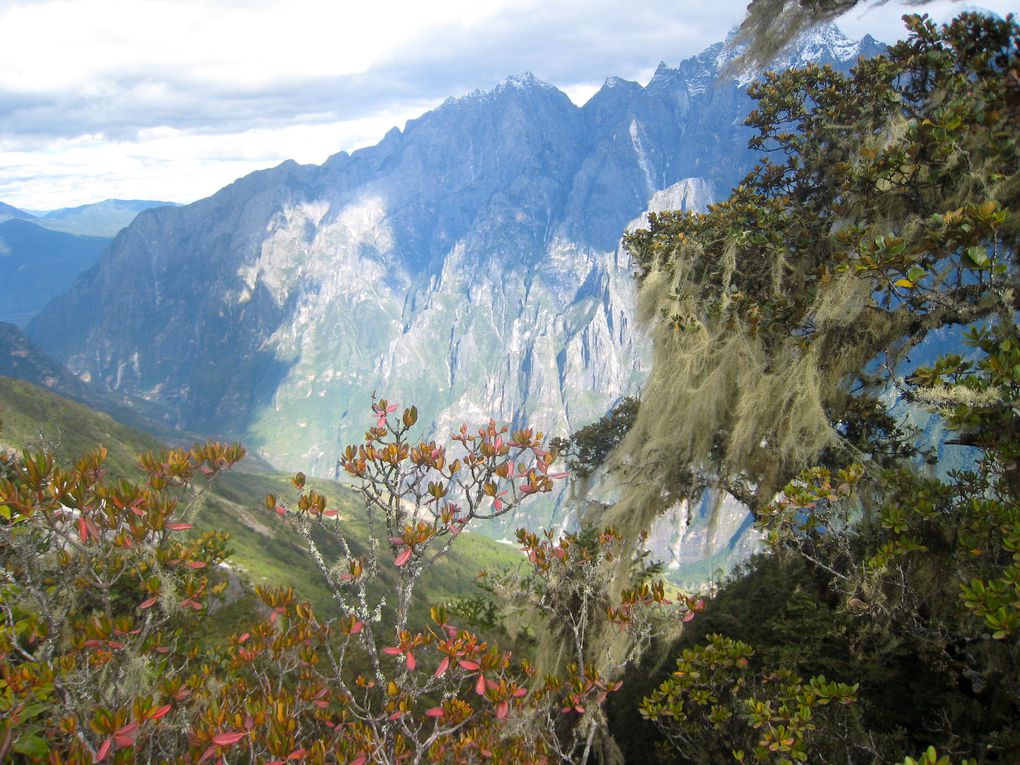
pixel 886 210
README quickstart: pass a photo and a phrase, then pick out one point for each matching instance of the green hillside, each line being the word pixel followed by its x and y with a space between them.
pixel 265 549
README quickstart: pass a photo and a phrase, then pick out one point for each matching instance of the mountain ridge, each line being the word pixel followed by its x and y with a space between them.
pixel 469 263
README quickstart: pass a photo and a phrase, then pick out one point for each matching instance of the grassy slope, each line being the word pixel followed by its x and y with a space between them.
pixel 265 549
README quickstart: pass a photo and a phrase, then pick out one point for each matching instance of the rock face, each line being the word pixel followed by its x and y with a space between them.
pixel 469 264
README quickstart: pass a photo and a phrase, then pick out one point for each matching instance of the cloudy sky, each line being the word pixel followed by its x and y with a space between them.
pixel 173 99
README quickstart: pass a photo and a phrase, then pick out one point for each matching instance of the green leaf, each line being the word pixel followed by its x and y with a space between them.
pixel 31 745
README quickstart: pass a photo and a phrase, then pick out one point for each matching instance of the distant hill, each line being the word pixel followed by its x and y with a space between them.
pixel 265 549
pixel 8 212
pixel 37 264
pixel 99 219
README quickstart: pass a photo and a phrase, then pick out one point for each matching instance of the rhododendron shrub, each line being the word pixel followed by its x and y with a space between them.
pixel 102 591
pixel 105 587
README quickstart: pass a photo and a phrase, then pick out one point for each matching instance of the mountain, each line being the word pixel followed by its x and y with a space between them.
pixel 8 212
pixel 37 265
pixel 98 219
pixel 468 263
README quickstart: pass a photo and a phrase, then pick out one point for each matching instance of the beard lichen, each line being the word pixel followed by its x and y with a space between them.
pixel 729 397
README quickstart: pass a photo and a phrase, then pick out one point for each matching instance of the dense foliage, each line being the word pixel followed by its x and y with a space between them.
pixel 885 210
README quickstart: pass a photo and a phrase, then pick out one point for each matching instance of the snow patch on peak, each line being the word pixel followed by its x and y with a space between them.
pixel 825 42
pixel 525 81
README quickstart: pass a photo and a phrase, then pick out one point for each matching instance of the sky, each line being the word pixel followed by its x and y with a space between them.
pixel 172 100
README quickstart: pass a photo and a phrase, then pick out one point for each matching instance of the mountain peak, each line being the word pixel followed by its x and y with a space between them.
pixel 525 81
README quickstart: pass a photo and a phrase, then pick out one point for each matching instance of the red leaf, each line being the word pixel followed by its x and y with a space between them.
pixel 244 637
pixel 359 760
pixel 196 564
pixel 392 650
pixel 435 712
pixel 502 709
pixel 178 526
pixel 104 750
pixel 297 754
pixel 443 666
pixel 159 713
pixel 358 627
pixel 411 663
pixel 227 739
pixel 403 557
pixel 480 685
pixel 469 665
pixel 83 530
pixel 148 603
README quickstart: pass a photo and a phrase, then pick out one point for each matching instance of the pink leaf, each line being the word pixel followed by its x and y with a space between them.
pixel 435 712
pixel 411 663
pixel 392 650
pixel 468 665
pixel 443 666
pixel 480 685
pixel 358 627
pixel 178 526
pixel 160 713
pixel 502 709
pixel 227 739
pixel 147 603
pixel 403 557
pixel 104 750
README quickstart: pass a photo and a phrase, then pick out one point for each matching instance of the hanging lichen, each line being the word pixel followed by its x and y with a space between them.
pixel 890 212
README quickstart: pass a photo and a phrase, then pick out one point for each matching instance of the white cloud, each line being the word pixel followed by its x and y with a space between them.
pixel 172 100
